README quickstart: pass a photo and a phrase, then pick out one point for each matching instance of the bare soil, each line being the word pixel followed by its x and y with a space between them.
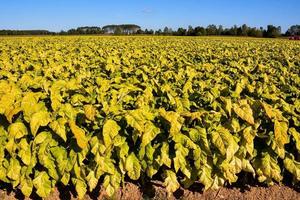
pixel 156 191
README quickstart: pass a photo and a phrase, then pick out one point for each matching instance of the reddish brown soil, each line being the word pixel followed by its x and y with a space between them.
pixel 155 191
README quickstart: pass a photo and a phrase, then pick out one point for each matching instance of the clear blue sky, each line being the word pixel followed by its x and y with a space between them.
pixel 56 15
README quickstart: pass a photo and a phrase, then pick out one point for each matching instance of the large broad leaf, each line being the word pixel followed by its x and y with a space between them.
pixel 111 183
pixel 205 176
pixel 165 159
pixel 80 187
pixel 273 113
pixel 110 131
pixel 14 169
pixel 133 167
pixel 17 130
pixel 6 102
pixel 227 105
pixel 42 184
pixel 150 133
pixel 90 112
pixel 281 133
pixel 173 119
pixel 9 113
pixel 26 186
pixel 58 126
pixel 224 142
pixel 267 168
pixel 244 111
pixel 79 134
pixel 180 161
pixel 171 182
pixel 91 180
pixel 38 119
pixel 136 120
pixel 248 139
pixel 292 166
pixel 296 136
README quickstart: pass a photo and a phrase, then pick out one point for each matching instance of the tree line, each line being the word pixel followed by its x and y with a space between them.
pixel 270 31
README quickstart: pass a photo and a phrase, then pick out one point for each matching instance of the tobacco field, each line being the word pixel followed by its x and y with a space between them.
pixel 87 110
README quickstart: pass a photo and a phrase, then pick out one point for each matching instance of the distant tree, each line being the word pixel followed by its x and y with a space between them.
pixel 233 31
pixel 149 32
pixel 180 32
pixel 200 31
pixel 158 32
pixel 166 31
pixel 118 31
pixel 293 30
pixel 121 29
pixel 244 29
pixel 190 31
pixel 220 30
pixel 211 29
pixel 254 32
pixel 140 31
pixel 272 31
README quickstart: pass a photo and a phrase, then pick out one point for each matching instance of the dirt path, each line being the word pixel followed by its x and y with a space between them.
pixel 156 191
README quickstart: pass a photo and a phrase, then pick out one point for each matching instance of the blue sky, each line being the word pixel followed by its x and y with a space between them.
pixel 56 15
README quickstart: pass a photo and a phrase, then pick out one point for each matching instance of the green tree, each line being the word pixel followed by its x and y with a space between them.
pixel 273 31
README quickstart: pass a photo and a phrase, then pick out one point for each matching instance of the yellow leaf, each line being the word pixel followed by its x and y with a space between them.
pixel 296 136
pixel 17 130
pixel 292 166
pixel 244 111
pixel 41 118
pixel 110 130
pixel 133 167
pixel 79 134
pixel 90 112
pixel 280 131
pixel 174 119
pixel 58 126
pixel 171 182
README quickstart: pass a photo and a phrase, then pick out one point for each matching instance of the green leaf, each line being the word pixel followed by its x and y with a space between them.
pixel 42 184
pixel 133 166
pixel 109 188
pixel 110 131
pixel 41 118
pixel 79 134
